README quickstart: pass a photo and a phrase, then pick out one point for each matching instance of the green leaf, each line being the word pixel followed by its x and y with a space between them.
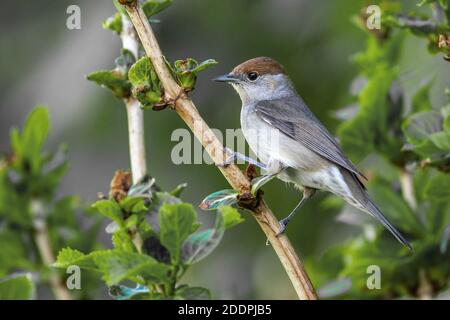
pixel 114 23
pixel 118 265
pixel 142 72
pixel 421 100
pixel 110 209
pixel 17 287
pixel 122 240
pixel 152 7
pixel 146 85
pixel 134 204
pixel 205 64
pixel 186 71
pixel 27 146
pixel 114 80
pixel 176 224
pixel 68 257
pixel 438 187
pixel 192 293
pixel 225 197
pixel 231 216
pixel 179 189
pixel 441 140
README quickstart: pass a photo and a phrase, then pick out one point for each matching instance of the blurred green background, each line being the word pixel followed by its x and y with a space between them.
pixel 42 62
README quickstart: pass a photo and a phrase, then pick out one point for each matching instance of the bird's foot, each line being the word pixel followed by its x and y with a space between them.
pixel 283 224
pixel 231 158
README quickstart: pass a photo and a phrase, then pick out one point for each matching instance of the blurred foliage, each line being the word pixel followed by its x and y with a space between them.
pixel 17 287
pixel 29 179
pixel 413 192
pixel 155 241
pixel 154 234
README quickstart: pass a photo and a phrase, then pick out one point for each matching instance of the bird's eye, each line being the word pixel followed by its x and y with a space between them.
pixel 252 76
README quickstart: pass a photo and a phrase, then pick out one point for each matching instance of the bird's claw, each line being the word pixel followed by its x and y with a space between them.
pixel 283 223
pixel 228 160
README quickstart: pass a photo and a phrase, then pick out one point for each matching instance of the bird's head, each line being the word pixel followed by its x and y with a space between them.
pixel 259 79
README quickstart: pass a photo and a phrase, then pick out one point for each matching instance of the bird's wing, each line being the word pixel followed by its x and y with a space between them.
pixel 293 118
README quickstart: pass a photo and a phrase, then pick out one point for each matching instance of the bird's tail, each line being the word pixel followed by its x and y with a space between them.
pixel 374 211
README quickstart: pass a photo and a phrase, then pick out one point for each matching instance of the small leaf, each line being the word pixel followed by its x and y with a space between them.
pixel 152 7
pixel 205 64
pixel 113 80
pixel 140 72
pixel 146 85
pixel 110 209
pixel 192 293
pixel 17 287
pixel 421 100
pixel 176 224
pixel 179 189
pixel 113 23
pixel 225 197
pixel 121 239
pixel 231 216
pixel 133 204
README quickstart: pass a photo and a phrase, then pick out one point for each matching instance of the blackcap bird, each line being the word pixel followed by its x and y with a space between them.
pixel 291 143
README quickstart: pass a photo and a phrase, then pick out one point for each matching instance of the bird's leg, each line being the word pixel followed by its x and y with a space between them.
pixel 273 168
pixel 307 193
pixel 236 155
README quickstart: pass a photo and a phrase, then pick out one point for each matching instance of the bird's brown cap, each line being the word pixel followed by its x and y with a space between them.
pixel 261 65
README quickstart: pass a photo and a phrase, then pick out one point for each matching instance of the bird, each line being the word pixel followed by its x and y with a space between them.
pixel 291 143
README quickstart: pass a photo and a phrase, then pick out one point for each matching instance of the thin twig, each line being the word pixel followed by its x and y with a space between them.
pixel 43 244
pixel 135 115
pixel 407 186
pixel 188 112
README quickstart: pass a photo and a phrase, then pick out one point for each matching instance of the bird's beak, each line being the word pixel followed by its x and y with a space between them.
pixel 227 78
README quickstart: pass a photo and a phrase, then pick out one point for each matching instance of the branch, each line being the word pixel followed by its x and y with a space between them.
pixel 43 244
pixel 188 112
pixel 134 112
pixel 135 115
pixel 407 187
